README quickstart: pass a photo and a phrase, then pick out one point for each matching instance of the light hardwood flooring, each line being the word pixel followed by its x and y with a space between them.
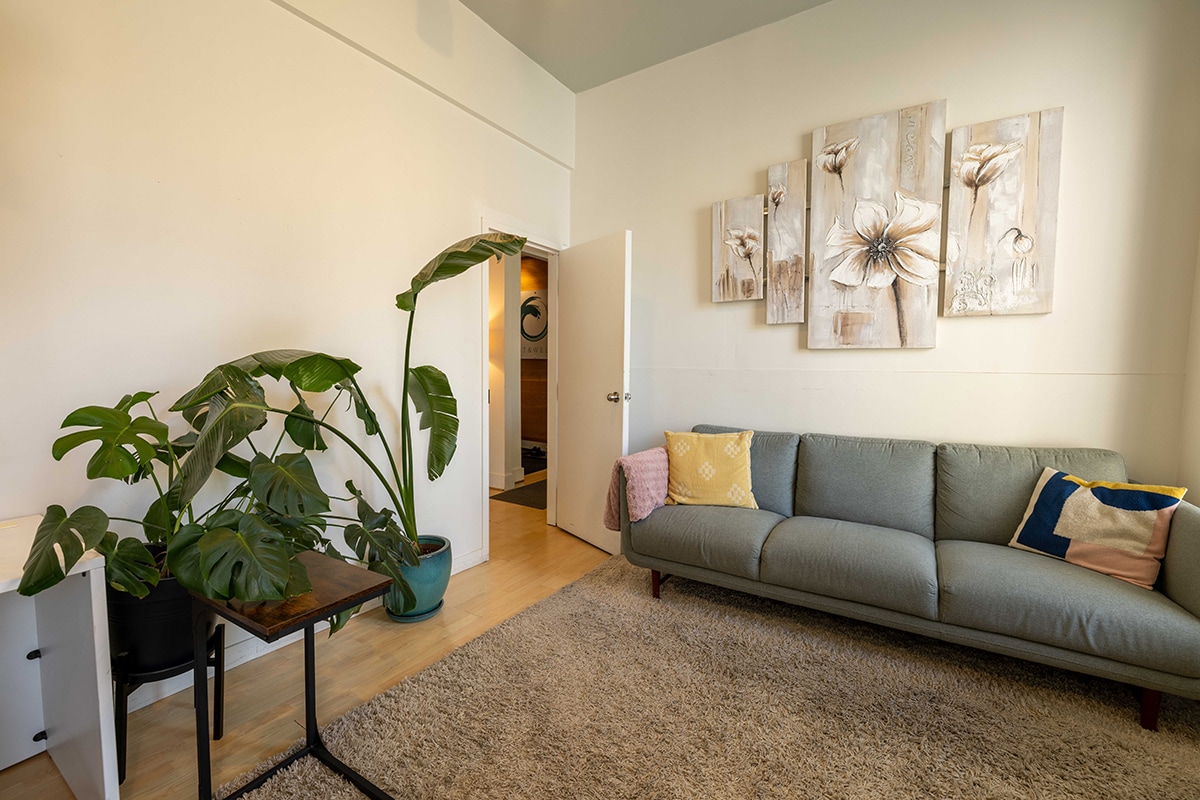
pixel 264 703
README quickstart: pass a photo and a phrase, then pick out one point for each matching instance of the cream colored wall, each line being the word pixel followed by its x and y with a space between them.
pixel 443 44
pixel 655 149
pixel 182 183
pixel 1189 467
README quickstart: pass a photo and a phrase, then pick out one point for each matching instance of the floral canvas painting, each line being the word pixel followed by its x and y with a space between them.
pixel 738 251
pixel 876 230
pixel 787 201
pixel 1002 215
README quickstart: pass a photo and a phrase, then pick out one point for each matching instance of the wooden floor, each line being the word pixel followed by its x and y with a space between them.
pixel 264 703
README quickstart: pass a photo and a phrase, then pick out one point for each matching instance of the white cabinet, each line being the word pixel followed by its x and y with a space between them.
pixel 67 691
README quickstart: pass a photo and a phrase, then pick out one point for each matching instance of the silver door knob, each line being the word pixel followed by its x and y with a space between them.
pixel 614 397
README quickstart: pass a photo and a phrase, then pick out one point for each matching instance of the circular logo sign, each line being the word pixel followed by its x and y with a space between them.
pixel 534 319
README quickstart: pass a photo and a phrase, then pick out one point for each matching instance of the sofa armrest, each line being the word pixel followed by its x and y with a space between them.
pixel 626 543
pixel 638 484
pixel 1181 565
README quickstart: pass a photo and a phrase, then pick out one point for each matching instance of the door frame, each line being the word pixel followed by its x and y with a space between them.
pixel 541 246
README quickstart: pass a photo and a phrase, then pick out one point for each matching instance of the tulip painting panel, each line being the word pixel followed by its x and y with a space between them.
pixel 787 201
pixel 737 249
pixel 876 230
pixel 1002 216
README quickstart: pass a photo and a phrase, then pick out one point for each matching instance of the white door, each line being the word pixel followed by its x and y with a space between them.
pixel 593 381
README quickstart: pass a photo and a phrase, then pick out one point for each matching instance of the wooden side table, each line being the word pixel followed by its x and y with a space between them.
pixel 337 586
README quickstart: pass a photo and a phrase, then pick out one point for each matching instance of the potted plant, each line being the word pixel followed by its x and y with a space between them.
pixel 244 546
pixel 433 398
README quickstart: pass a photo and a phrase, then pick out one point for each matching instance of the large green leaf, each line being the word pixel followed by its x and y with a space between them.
pixel 159 521
pixel 367 515
pixel 183 555
pixel 338 621
pixel 234 465
pixel 128 565
pixel 318 372
pixel 400 598
pixel 250 563
pixel 298 582
pixel 457 259
pixel 125 443
pixel 168 454
pixel 378 539
pixel 380 543
pixel 362 408
pixel 301 533
pixel 301 426
pixel 130 400
pixel 430 391
pixel 312 372
pixel 232 415
pixel 59 543
pixel 287 485
pixel 213 384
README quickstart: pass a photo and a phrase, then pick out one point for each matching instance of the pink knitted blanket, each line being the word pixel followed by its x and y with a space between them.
pixel 645 486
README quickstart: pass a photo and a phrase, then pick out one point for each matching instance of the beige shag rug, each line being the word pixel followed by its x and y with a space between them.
pixel 602 692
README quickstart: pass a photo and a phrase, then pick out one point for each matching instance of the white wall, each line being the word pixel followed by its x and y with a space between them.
pixel 183 183
pixel 656 149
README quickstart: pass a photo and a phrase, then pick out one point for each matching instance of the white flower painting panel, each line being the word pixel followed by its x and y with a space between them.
pixel 1002 215
pixel 738 250
pixel 787 201
pixel 876 230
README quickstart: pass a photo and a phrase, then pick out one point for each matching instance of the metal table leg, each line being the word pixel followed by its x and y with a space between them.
pixel 200 697
pixel 312 738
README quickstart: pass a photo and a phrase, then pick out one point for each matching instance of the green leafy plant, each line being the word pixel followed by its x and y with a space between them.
pixel 244 546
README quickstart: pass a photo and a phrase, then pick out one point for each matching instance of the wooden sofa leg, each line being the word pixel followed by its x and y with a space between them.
pixel 657 579
pixel 1151 703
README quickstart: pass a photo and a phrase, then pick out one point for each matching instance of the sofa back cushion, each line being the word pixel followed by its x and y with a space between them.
pixel 884 482
pixel 983 490
pixel 772 466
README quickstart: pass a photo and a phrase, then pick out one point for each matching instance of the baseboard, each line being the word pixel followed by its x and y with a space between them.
pixel 505 481
pixel 471 559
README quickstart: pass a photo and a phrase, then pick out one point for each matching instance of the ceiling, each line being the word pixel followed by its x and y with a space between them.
pixel 584 43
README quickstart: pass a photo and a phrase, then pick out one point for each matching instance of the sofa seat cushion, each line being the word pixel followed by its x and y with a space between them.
pixel 882 567
pixel 1026 595
pixel 728 540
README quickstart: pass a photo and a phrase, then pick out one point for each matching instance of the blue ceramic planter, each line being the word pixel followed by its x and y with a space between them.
pixel 428 582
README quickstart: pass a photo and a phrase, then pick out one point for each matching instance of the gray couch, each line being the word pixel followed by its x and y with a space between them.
pixel 913 535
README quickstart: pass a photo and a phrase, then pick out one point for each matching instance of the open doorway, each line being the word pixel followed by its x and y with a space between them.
pixel 534 328
pixel 587 376
pixel 520 370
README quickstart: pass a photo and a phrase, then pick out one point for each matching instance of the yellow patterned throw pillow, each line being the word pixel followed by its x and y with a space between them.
pixel 709 469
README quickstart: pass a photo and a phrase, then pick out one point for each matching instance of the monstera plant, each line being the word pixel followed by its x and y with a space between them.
pixel 272 506
pixel 244 544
